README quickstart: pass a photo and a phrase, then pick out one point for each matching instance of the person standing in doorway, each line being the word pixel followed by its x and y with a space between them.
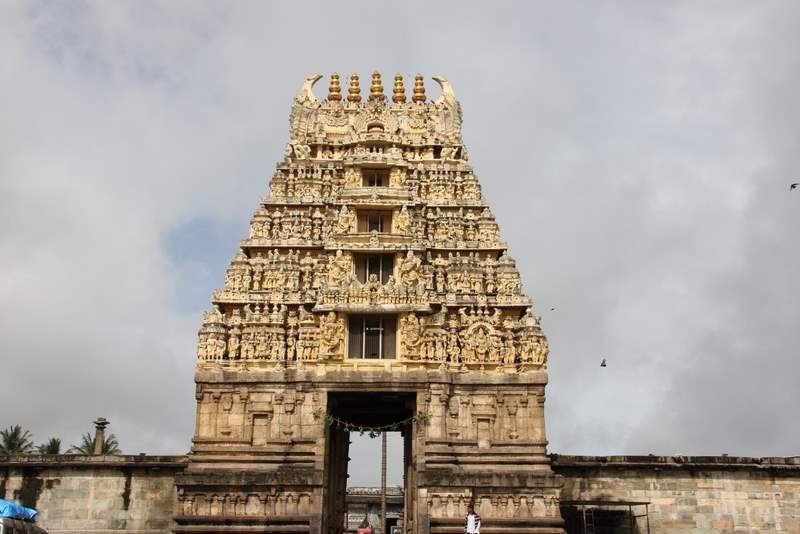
pixel 472 523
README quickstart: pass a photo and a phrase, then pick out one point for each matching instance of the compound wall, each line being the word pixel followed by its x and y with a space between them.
pixel 691 495
pixel 97 494
pixel 686 495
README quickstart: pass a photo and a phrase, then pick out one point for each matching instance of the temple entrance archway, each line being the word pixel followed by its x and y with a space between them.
pixel 356 413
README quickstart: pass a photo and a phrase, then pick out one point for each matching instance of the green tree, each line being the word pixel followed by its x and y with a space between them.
pixel 110 445
pixel 14 440
pixel 52 446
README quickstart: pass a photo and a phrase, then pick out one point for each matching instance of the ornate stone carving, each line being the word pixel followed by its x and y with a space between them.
pixel 331 337
pixel 306 94
pixel 339 269
pixel 346 221
pixel 410 269
pixel 352 177
pixel 297 264
pixel 402 223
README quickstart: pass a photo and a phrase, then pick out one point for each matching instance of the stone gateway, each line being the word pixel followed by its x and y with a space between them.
pixel 372 290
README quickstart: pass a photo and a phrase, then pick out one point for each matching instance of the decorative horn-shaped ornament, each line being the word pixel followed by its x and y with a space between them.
pixel 448 95
pixel 306 94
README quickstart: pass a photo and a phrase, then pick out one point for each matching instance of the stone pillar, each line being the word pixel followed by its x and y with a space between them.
pixel 383 483
pixel 99 435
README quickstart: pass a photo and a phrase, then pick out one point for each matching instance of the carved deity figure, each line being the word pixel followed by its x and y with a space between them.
pixel 453 348
pixel 215 347
pixel 307 271
pixel 291 345
pixel 352 178
pixel 402 223
pixel 338 269
pixel 331 335
pixel 233 345
pixel 410 335
pixel 202 353
pixel 397 178
pixel 481 343
pixel 372 286
pixel 441 281
pixel 410 269
pixel 509 352
pixel 346 222
pixel 540 351
pixel 301 151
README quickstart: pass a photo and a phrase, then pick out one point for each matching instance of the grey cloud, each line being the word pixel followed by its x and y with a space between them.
pixel 637 156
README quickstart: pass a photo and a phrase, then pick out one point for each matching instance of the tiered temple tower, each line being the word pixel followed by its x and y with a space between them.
pixel 373 290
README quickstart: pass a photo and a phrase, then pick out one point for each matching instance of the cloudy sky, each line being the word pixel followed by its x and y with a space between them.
pixel 637 155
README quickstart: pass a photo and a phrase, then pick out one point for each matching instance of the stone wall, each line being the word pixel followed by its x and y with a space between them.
pixel 692 495
pixel 98 494
pixel 686 495
pixel 366 502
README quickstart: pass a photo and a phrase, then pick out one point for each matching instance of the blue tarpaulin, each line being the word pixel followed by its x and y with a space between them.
pixel 15 511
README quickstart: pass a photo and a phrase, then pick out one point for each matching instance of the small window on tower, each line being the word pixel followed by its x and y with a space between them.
pixel 375 221
pixel 372 337
pixel 380 265
pixel 375 177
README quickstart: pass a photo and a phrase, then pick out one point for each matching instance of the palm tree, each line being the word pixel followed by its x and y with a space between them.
pixel 52 446
pixel 14 440
pixel 110 445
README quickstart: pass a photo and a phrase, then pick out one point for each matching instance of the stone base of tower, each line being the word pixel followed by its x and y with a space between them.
pixel 227 500
pixel 518 503
pixel 267 459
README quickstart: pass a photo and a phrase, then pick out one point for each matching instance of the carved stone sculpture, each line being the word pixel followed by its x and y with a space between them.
pixel 338 269
pixel 410 269
pixel 331 336
pixel 402 223
pixel 346 221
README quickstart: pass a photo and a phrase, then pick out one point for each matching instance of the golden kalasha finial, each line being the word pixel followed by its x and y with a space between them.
pixel 376 90
pixel 335 90
pixel 419 89
pixel 399 90
pixel 354 93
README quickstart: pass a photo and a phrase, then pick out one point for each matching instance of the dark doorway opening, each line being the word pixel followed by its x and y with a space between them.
pixel 357 412
pixel 605 517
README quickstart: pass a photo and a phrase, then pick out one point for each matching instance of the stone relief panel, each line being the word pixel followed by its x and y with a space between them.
pixel 292 504
pixel 497 506
pixel 489 338
pixel 499 416
pixel 259 417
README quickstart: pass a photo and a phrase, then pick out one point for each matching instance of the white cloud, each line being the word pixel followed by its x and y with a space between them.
pixel 649 146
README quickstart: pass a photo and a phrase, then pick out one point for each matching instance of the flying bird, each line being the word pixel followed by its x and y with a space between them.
pixel 603 363
pixel 793 186
pixel 552 309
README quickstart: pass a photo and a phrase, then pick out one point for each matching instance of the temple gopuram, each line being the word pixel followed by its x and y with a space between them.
pixel 373 290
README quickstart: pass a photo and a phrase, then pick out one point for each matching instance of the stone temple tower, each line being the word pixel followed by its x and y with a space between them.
pixel 372 291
